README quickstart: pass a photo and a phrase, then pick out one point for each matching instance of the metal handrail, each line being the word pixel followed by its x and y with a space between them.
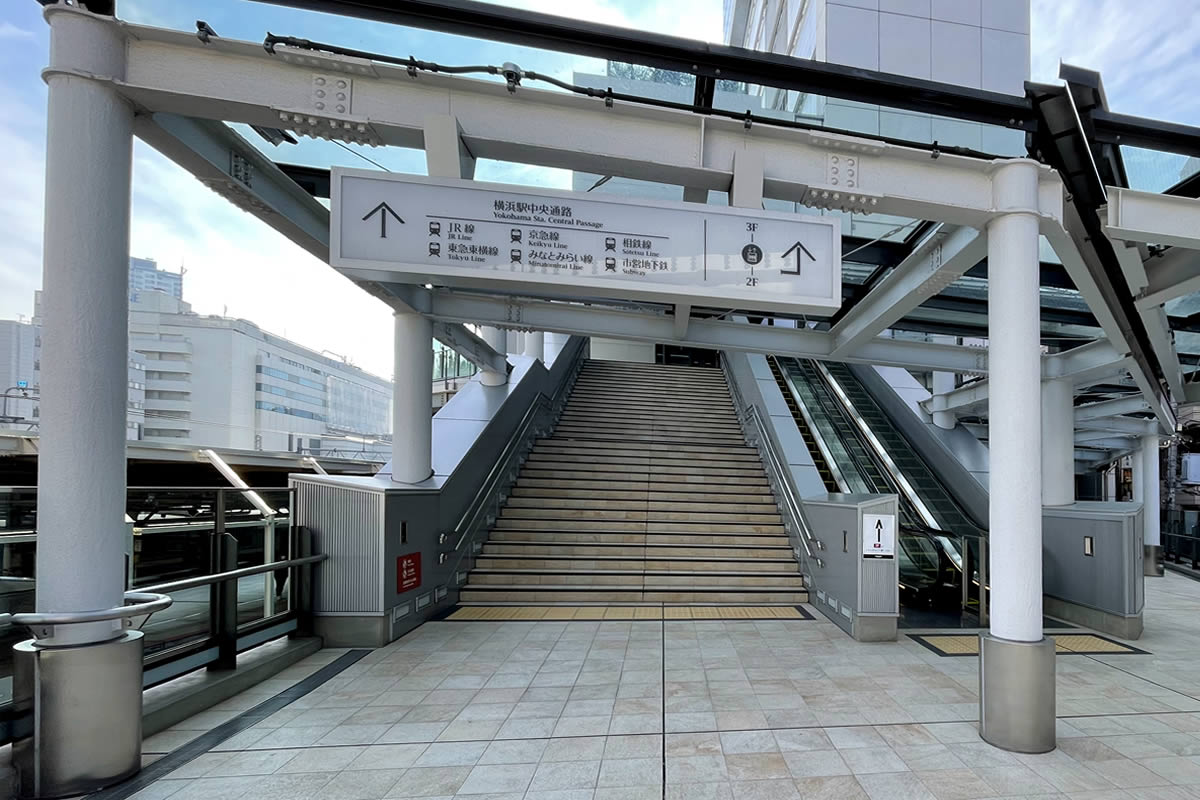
pixel 501 465
pixel 145 603
pixel 243 572
pixel 878 449
pixel 749 413
pixel 795 509
pixel 818 438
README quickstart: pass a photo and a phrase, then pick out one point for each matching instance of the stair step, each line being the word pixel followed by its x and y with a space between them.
pixel 612 577
pixel 650 517
pixel 639 564
pixel 646 503
pixel 625 594
pixel 633 537
pixel 714 552
pixel 582 479
pixel 643 494
pixel 743 452
pixel 733 527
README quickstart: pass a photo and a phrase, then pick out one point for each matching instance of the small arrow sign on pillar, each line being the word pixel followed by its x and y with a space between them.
pixel 383 209
pixel 797 248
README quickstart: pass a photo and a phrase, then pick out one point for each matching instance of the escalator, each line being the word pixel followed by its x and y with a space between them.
pixel 854 442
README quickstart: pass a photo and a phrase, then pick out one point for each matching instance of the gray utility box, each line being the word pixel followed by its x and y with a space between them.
pixel 858 587
pixel 1092 566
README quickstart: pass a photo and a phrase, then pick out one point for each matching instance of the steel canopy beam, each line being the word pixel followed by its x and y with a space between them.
pixel 233 168
pixel 1173 274
pixel 1153 218
pixel 1085 365
pixel 705 60
pixel 936 262
pixel 472 347
pixel 173 71
pixel 610 322
pixel 1110 408
pixel 229 165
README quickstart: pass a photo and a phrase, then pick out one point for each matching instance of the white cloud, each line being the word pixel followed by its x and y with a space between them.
pixel 239 266
pixel 10 31
pixel 1145 52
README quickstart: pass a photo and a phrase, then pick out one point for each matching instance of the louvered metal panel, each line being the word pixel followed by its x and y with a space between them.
pixel 347 523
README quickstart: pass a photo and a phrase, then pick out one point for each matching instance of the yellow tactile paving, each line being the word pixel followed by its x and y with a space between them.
pixel 968 645
pixel 562 613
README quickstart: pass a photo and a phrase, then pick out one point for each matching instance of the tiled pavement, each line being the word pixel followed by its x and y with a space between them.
pixel 716 709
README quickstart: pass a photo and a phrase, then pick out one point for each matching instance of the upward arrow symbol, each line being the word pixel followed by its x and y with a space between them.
pixel 797 248
pixel 383 209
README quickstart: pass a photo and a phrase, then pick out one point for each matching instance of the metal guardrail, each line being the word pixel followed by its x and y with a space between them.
pixel 777 469
pixel 1179 548
pixel 41 624
pixel 545 409
pixel 234 574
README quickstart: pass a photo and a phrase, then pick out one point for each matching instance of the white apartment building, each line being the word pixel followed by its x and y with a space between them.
pixel 221 382
pixel 211 381
pixel 21 377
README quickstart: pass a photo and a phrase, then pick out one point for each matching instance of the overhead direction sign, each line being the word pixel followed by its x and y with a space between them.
pixel 409 229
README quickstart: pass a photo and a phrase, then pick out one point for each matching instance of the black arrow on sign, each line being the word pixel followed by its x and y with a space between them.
pixel 797 248
pixel 383 209
pixel 879 530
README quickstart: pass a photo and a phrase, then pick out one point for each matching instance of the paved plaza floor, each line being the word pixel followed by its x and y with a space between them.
pixel 697 710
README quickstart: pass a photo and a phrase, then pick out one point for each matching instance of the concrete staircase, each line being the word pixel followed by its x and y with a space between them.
pixel 646 493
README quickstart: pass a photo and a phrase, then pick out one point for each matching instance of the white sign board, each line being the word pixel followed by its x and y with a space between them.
pixel 879 536
pixel 406 229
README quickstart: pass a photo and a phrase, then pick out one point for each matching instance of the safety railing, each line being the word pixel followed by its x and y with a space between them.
pixel 481 512
pixel 778 475
pixel 783 487
pixel 1180 536
pixel 235 574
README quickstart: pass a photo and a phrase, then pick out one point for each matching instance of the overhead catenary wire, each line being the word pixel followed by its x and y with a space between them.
pixel 514 75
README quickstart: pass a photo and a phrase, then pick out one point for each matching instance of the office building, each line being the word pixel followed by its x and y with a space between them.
pixel 145 276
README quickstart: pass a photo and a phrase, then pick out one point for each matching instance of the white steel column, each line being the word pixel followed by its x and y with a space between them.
pixel 1058 443
pixel 535 345
pixel 1016 663
pixel 1148 465
pixel 944 383
pixel 85 371
pixel 412 399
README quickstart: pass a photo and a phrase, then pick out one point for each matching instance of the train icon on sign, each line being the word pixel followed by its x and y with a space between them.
pixel 515 234
pixel 515 255
pixel 435 249
pixel 610 243
pixel 435 229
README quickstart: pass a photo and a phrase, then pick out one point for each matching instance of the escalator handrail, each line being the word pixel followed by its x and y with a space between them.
pixel 878 448
pixel 968 525
pixel 824 451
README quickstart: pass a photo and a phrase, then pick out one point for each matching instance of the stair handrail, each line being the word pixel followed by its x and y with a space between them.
pixel 776 468
pixel 543 408
pixel 751 420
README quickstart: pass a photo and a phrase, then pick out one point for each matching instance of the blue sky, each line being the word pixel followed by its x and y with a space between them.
pixel 1148 53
